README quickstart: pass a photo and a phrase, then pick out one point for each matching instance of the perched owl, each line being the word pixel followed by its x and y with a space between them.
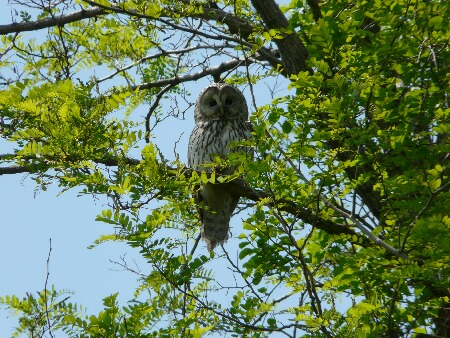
pixel 221 115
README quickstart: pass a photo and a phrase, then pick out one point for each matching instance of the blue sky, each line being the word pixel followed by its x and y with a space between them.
pixel 28 223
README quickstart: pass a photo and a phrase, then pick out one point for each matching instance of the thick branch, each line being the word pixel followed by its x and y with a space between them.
pixel 51 21
pixel 293 51
pixel 315 9
pixel 238 187
pixel 236 25
pixel 15 169
pixel 42 167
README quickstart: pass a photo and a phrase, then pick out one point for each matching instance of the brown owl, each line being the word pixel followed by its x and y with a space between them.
pixel 221 116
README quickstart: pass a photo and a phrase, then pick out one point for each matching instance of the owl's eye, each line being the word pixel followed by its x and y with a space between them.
pixel 212 103
pixel 228 101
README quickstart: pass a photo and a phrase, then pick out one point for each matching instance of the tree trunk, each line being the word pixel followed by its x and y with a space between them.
pixel 293 51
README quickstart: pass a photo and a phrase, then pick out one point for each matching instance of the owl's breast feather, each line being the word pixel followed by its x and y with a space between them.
pixel 213 137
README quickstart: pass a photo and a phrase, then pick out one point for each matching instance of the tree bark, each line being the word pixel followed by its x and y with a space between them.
pixel 293 51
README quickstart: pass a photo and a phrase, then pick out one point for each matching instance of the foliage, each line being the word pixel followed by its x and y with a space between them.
pixel 347 196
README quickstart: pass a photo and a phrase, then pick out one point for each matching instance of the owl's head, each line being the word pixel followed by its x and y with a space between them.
pixel 220 101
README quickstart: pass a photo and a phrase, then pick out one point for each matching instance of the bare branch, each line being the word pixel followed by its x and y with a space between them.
pixel 263 53
pixel 47 314
pixel 223 67
pixel 157 55
pixel 153 108
pixel 13 170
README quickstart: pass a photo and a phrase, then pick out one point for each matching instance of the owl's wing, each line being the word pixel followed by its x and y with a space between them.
pixel 234 202
pixel 198 199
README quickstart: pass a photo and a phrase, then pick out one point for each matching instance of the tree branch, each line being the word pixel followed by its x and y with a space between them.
pixel 238 187
pixel 42 167
pixel 241 188
pixel 315 9
pixel 161 54
pixel 153 108
pixel 51 21
pixel 15 169
pixel 223 67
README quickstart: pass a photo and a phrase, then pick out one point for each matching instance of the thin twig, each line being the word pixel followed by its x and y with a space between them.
pixel 47 315
pixel 153 108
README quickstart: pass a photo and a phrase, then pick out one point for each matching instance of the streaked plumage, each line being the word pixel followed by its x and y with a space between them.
pixel 221 115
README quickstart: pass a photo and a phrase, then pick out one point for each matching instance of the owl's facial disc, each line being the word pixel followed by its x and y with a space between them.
pixel 226 107
pixel 214 104
pixel 221 102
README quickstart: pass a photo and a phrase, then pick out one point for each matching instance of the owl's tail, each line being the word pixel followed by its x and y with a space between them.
pixel 215 232
pixel 218 206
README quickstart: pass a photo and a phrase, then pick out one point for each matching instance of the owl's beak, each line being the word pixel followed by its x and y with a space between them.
pixel 222 111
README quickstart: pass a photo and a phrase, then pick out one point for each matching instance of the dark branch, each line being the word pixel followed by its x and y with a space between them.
pixel 223 67
pixel 15 169
pixel 315 9
pixel 51 21
pixel 162 53
pixel 238 187
pixel 152 110
pixel 236 25
pixel 42 167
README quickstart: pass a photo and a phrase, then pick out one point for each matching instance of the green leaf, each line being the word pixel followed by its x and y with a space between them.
pixel 286 127
pixel 204 177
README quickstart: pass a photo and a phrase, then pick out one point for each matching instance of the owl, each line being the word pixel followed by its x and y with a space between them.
pixel 221 116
